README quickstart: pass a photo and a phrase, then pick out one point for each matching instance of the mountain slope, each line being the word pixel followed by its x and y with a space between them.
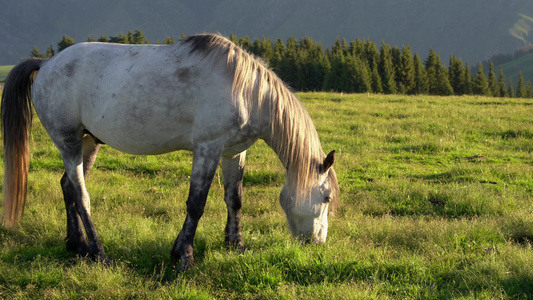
pixel 473 30
pixel 512 69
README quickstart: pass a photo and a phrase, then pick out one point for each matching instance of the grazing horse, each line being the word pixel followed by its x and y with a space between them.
pixel 204 94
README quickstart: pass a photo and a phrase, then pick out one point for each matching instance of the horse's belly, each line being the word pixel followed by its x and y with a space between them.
pixel 147 146
pixel 151 136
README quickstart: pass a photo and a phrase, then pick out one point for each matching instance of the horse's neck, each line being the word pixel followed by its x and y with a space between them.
pixel 275 143
pixel 276 134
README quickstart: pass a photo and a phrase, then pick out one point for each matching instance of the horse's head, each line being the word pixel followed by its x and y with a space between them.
pixel 308 217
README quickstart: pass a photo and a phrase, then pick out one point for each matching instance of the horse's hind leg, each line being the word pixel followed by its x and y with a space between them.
pixel 78 157
pixel 232 172
pixel 75 236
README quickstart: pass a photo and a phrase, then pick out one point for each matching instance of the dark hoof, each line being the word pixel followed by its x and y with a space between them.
pixel 100 258
pixel 185 256
pixel 105 261
pixel 237 246
pixel 186 264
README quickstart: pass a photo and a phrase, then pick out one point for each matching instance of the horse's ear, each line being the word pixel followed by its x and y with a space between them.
pixel 328 161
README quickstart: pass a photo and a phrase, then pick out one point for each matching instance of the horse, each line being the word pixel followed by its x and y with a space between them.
pixel 204 94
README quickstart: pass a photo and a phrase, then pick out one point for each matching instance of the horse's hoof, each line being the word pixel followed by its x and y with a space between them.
pixel 186 264
pixel 104 260
pixel 183 254
pixel 100 258
pixel 237 246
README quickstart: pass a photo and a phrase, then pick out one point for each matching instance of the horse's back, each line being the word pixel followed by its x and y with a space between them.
pixel 139 99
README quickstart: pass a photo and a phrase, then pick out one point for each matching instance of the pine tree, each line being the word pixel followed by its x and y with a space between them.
pixel 138 38
pixel 357 49
pixel 520 87
pixel 103 39
pixel 318 66
pixel 65 42
pixel 232 38
pixel 438 82
pixel 304 62
pixel 444 87
pixel 169 40
pixel 396 58
pixel 421 83
pixel 480 85
pixel 351 81
pixel 345 47
pixel 510 90
pixel 264 49
pixel 49 52
pixel 377 86
pixel 371 54
pixel 493 81
pixel 502 89
pixel 336 78
pixel 358 79
pixel 279 51
pixel 245 43
pixel 35 52
pixel 338 47
pixel 456 75
pixel 323 67
pixel 120 39
pixel 279 47
pixel 128 39
pixel 407 72
pixel 467 82
pixel 529 90
pixel 431 71
pixel 288 68
pixel 387 70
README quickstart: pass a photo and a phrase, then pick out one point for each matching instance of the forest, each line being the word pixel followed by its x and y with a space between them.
pixel 359 66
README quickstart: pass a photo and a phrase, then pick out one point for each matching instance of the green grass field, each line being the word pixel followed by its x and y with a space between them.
pixel 4 70
pixel 436 197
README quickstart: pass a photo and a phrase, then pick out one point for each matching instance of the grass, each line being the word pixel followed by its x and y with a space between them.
pixel 4 70
pixel 436 203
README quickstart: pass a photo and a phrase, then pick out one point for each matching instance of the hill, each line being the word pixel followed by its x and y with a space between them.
pixel 473 30
pixel 512 69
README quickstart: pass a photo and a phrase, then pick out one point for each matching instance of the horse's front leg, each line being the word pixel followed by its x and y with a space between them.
pixel 205 162
pixel 233 172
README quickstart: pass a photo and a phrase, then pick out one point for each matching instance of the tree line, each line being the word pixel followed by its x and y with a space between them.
pixel 357 67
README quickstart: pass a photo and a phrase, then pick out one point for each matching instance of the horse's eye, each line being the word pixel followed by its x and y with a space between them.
pixel 327 199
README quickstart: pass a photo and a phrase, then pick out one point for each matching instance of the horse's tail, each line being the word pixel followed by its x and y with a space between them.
pixel 16 124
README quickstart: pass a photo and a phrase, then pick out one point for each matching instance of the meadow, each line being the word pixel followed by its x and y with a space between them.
pixel 436 203
pixel 4 70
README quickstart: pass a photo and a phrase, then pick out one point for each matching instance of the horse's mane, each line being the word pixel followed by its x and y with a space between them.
pixel 294 137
